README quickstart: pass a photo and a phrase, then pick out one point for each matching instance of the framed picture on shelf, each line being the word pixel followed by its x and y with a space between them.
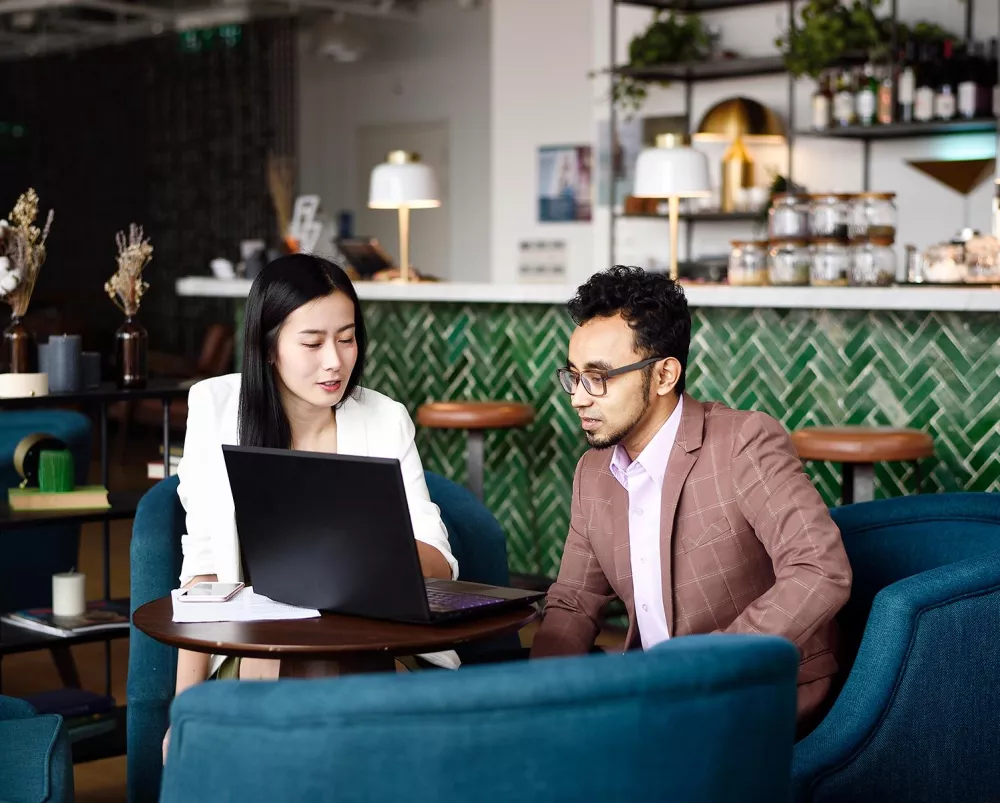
pixel 564 183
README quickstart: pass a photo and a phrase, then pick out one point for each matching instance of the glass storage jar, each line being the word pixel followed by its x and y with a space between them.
pixel 788 217
pixel 831 262
pixel 790 262
pixel 748 263
pixel 873 263
pixel 874 215
pixel 830 215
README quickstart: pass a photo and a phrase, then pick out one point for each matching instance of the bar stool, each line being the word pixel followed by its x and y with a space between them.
pixel 475 418
pixel 858 449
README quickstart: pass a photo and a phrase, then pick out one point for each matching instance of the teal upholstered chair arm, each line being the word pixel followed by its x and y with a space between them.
pixel 12 708
pixel 927 663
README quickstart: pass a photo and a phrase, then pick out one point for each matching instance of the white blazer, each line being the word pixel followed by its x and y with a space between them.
pixel 368 424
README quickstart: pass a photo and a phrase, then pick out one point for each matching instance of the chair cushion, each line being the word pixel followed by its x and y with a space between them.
pixel 33 760
pixel 862 444
pixel 475 415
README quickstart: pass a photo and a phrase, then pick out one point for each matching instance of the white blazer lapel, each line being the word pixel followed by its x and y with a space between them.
pixel 352 435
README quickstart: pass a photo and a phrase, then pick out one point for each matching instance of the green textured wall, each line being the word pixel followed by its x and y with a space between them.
pixel 935 371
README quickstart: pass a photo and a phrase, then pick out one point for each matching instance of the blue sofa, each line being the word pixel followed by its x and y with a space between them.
pixel 476 539
pixel 35 761
pixel 918 718
pixel 703 719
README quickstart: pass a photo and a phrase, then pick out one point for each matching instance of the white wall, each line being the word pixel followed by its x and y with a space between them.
pixel 542 52
pixel 540 95
pixel 435 69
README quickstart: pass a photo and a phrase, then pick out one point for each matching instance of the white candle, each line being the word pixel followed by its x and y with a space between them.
pixel 68 597
pixel 13 386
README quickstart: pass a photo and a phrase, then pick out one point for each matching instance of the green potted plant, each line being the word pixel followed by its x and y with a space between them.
pixel 831 32
pixel 671 38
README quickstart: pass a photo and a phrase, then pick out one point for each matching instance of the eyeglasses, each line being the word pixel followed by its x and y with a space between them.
pixel 595 381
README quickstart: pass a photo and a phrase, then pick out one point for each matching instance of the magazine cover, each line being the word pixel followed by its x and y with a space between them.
pixel 100 615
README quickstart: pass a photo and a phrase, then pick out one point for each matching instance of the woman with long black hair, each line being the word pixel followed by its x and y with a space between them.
pixel 300 388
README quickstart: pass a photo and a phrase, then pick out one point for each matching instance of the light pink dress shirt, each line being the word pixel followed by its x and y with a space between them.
pixel 643 479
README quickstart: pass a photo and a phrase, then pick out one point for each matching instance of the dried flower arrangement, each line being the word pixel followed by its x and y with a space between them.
pixel 126 286
pixel 22 252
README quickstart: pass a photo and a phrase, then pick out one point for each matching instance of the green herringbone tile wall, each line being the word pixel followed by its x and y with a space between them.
pixel 936 372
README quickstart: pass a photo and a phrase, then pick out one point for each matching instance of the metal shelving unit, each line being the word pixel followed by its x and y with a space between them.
pixel 736 69
pixel 689 75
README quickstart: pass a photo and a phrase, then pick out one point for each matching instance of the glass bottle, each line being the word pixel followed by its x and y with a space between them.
pixel 843 100
pixel 907 83
pixel 886 105
pixel 822 102
pixel 923 104
pixel 867 95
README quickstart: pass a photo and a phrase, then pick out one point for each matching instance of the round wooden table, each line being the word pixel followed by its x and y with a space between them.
pixel 326 645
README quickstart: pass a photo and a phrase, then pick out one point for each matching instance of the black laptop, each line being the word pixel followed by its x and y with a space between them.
pixel 333 532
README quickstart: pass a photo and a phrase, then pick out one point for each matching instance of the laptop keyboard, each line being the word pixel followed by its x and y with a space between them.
pixel 453 601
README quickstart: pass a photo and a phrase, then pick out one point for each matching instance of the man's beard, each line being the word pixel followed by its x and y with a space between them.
pixel 616 437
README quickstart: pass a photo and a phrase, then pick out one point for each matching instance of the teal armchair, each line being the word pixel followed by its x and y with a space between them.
pixel 918 717
pixel 703 719
pixel 476 539
pixel 35 761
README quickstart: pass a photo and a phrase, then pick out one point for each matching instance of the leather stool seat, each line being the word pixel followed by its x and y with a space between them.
pixel 475 418
pixel 475 415
pixel 858 448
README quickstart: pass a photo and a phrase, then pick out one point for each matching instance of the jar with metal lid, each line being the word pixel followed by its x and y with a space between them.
pixel 748 263
pixel 790 262
pixel 788 217
pixel 873 263
pixel 831 262
pixel 830 215
pixel 874 215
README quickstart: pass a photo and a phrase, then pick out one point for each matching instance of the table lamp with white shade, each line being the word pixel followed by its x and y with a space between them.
pixel 672 170
pixel 403 182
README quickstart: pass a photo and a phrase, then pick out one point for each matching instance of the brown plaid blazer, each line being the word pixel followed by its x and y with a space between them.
pixel 747 546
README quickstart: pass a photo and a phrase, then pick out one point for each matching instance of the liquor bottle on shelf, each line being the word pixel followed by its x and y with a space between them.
pixel 886 105
pixel 867 94
pixel 822 102
pixel 945 104
pixel 923 98
pixel 843 100
pixel 907 86
pixel 968 74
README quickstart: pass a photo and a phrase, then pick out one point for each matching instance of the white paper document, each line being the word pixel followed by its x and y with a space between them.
pixel 246 606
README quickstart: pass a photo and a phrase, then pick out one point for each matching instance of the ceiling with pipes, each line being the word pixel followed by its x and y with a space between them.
pixel 31 28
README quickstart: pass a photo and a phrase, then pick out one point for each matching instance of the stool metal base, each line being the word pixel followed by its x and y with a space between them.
pixel 857 482
pixel 474 457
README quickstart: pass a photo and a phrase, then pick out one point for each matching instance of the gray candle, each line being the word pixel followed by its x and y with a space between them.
pixel 90 369
pixel 63 358
pixel 43 358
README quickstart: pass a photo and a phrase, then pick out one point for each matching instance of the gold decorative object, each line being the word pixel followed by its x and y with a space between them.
pixel 738 121
pixel 281 187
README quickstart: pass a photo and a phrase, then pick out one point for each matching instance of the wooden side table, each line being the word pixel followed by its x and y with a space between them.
pixel 306 647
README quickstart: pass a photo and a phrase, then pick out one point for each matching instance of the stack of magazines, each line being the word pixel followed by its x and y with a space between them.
pixel 100 615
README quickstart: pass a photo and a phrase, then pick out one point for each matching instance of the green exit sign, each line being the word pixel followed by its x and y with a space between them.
pixel 199 40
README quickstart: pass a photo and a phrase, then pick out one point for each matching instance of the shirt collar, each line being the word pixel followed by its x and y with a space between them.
pixel 654 457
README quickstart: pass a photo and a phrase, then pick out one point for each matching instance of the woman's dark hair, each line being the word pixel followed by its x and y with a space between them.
pixel 653 305
pixel 281 288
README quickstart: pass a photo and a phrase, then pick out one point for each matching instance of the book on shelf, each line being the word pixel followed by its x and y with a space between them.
pixel 86 497
pixel 100 615
pixel 154 468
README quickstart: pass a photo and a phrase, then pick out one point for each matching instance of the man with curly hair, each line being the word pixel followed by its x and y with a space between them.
pixel 697 516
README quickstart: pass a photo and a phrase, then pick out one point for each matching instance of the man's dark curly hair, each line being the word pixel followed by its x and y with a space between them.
pixel 653 305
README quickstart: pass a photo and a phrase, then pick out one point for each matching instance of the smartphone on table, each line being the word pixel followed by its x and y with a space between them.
pixel 210 592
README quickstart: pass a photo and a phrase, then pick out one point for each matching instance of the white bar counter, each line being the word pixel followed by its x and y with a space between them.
pixel 929 298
